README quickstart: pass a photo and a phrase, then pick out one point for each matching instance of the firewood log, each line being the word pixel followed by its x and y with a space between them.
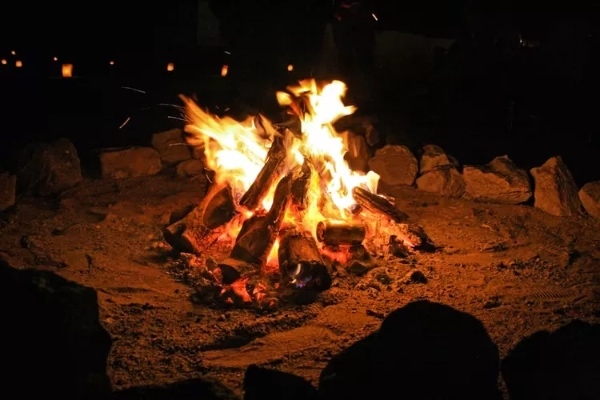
pixel 300 262
pixel 270 172
pixel 200 228
pixel 378 205
pixel 258 233
pixel 335 233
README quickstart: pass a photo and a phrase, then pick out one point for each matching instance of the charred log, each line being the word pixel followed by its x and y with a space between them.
pixel 258 233
pixel 300 185
pixel 300 261
pixel 336 233
pixel 269 173
pixel 230 270
pixel 199 228
pixel 378 205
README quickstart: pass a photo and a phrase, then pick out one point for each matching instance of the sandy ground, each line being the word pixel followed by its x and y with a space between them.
pixel 515 268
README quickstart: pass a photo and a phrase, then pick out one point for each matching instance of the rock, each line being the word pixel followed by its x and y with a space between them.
pixel 444 180
pixel 500 181
pixel 171 146
pixel 189 168
pixel 395 164
pixel 8 190
pixel 46 169
pixel 555 190
pixel 590 198
pixel 55 346
pixel 433 156
pixel 358 154
pixel 129 163
pixel 415 276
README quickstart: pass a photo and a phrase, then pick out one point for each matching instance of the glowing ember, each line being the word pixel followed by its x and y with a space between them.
pixel 236 152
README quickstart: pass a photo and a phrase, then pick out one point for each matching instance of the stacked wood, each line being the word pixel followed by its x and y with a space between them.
pixel 200 228
pixel 257 236
pixel 267 176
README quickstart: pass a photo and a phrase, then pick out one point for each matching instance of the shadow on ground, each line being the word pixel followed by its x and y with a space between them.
pixel 56 347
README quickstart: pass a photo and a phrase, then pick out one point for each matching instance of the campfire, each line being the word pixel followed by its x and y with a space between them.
pixel 283 209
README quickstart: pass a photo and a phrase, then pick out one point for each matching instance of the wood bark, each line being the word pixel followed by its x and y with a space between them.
pixel 200 228
pixel 378 205
pixel 300 262
pixel 335 233
pixel 268 175
pixel 258 233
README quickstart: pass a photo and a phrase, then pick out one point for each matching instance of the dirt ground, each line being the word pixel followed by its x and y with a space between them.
pixel 515 268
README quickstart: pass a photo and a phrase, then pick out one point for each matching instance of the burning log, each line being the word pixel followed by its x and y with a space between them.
pixel 267 175
pixel 300 185
pixel 378 205
pixel 301 263
pixel 198 229
pixel 335 233
pixel 258 233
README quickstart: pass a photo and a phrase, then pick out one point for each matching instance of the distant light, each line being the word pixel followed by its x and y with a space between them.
pixel 375 17
pixel 111 62
pixel 290 67
pixel 67 70
pixel 14 53
pixel 3 62
pixel 18 63
pixel 227 52
pixel 224 70
pixel 170 67
pixel 55 59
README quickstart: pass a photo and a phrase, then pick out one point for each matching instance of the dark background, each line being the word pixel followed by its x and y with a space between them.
pixel 462 104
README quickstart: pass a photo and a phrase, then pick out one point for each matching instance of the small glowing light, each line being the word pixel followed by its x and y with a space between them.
pixel 227 52
pixel 290 67
pixel 111 62
pixel 55 59
pixel 67 70
pixel 224 70
pixel 375 17
pixel 14 53
pixel 3 62
pixel 170 67
pixel 18 63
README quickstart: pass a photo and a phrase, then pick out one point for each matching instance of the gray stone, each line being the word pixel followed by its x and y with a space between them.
pixel 555 189
pixel 48 169
pixel 590 198
pixel 171 146
pixel 500 181
pixel 395 164
pixel 444 180
pixel 129 163
pixel 8 190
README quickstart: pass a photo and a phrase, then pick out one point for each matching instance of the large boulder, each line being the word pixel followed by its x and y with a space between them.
pixel 53 343
pixel 555 189
pixel 47 169
pixel 444 180
pixel 8 189
pixel 171 146
pixel 129 163
pixel 589 195
pixel 500 181
pixel 395 164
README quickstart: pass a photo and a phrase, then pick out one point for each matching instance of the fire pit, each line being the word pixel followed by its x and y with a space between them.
pixel 283 210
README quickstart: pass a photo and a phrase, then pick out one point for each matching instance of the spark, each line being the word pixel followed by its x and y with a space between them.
pixel 177 118
pixel 133 89
pixel 227 52
pixel 170 105
pixel 125 122
pixel 375 17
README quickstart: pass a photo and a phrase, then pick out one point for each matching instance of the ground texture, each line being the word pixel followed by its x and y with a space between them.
pixel 515 268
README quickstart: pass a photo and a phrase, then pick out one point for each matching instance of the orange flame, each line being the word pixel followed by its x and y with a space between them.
pixel 236 151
